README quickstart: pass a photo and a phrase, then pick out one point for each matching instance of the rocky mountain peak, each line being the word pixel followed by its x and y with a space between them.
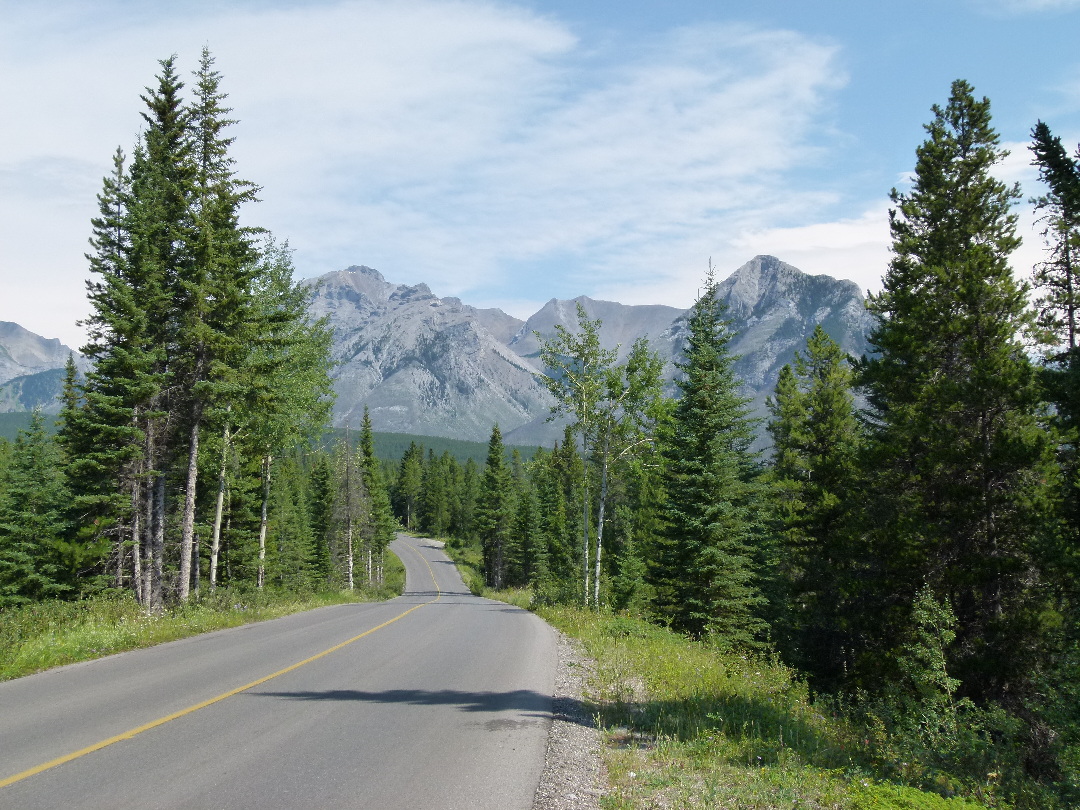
pixel 22 352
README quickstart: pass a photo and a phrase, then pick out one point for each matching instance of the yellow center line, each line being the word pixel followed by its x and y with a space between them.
pixel 127 735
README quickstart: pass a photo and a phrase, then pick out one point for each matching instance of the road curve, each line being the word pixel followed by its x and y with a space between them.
pixel 436 699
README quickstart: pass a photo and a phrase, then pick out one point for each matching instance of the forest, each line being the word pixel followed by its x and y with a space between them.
pixel 907 544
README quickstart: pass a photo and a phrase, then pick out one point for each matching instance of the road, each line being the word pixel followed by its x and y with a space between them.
pixel 436 699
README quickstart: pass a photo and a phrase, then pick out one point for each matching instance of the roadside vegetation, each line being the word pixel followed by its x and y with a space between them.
pixel 685 724
pixel 882 611
pixel 42 635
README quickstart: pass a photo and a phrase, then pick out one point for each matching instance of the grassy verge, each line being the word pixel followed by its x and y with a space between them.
pixel 50 634
pixel 686 725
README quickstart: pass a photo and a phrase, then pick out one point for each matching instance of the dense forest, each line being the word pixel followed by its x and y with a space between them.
pixel 908 543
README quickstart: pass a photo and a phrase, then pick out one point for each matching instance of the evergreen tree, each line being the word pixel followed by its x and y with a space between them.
pixel 707 578
pixel 214 296
pixel 321 490
pixel 1057 277
pixel 435 498
pixel 33 506
pixel 293 557
pixel 467 493
pixel 816 438
pixel 381 526
pixel 410 484
pixel 963 469
pixel 495 512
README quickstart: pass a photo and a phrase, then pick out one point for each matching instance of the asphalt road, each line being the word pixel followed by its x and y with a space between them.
pixel 436 699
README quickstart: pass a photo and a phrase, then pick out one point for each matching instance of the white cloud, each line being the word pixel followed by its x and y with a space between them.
pixel 439 141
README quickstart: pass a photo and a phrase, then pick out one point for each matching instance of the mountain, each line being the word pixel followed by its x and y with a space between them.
pixel 438 367
pixel 774 308
pixel 422 364
pixel 31 369
pixel 23 353
pixel 435 366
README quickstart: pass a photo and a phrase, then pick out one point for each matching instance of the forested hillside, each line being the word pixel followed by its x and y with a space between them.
pixel 914 558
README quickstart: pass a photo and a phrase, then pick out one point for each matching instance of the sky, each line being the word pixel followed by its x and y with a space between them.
pixel 512 151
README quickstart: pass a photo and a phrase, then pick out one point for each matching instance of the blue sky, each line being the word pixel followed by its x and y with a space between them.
pixel 511 152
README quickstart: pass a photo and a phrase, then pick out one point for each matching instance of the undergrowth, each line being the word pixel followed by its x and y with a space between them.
pixel 688 725
pixel 48 634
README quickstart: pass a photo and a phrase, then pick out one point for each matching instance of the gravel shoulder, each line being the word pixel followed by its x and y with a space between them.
pixel 573 774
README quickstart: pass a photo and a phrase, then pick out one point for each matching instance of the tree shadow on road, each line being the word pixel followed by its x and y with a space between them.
pixel 535 703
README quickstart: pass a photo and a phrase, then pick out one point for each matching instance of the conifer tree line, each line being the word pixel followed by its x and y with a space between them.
pixel 184 459
pixel 912 530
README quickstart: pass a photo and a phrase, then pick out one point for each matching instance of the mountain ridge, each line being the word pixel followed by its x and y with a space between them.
pixel 434 366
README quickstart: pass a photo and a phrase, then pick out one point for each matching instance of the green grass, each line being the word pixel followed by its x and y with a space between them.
pixel 43 635
pixel 687 725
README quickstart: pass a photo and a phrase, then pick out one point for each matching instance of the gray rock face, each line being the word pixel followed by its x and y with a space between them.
pixel 774 308
pixel 422 364
pixel 31 369
pixel 436 366
pixel 23 353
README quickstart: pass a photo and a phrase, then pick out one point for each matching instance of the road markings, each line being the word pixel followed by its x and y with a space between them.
pixel 127 735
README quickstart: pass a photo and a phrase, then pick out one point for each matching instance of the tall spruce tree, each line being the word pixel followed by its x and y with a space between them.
pixel 1059 306
pixel 816 439
pixel 33 518
pixel 381 528
pixel 963 470
pixel 214 297
pixel 1058 283
pixel 495 512
pixel 707 577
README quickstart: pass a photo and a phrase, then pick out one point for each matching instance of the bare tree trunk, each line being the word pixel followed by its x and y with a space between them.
pixel 158 543
pixel 219 508
pixel 187 526
pixel 349 553
pixel 136 539
pixel 148 542
pixel 600 521
pixel 267 460
pixel 585 525
pixel 196 563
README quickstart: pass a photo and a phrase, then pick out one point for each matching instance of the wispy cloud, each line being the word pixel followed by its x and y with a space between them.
pixel 483 148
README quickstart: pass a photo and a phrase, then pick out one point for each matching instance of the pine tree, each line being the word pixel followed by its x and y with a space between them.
pixel 1057 277
pixel 1057 280
pixel 963 469
pixel 495 511
pixel 816 440
pixel 321 490
pixel 381 526
pixel 410 483
pixel 33 505
pixel 213 298
pixel 707 581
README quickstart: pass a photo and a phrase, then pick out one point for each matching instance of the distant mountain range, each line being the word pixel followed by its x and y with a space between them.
pixel 31 369
pixel 436 366
pixel 439 367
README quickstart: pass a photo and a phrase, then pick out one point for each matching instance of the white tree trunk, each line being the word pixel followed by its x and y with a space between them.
pixel 267 460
